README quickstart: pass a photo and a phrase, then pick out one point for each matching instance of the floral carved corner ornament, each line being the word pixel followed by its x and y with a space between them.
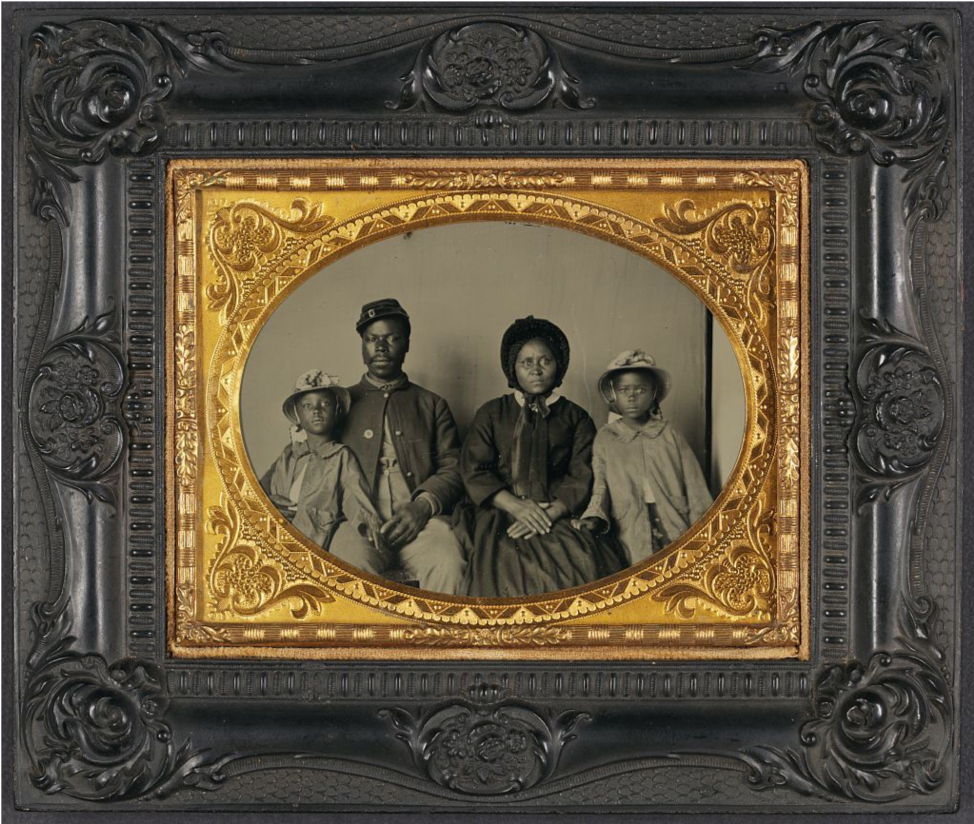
pixel 876 91
pixel 96 731
pixel 878 731
pixel 94 88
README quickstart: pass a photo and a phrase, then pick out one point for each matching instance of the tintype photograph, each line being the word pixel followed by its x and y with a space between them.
pixel 484 410
pixel 469 300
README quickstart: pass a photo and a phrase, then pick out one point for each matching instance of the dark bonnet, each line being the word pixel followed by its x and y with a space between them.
pixel 527 329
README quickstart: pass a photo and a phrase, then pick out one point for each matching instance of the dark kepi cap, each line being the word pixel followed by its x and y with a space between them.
pixel 379 309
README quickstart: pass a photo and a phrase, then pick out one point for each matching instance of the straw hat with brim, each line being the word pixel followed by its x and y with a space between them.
pixel 311 382
pixel 630 361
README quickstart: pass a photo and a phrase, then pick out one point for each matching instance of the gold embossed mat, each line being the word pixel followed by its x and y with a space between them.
pixel 242 235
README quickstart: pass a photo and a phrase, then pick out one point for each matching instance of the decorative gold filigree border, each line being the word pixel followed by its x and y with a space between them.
pixel 741 255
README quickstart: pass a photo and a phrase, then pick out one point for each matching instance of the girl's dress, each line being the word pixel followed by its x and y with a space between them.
pixel 540 451
pixel 327 492
pixel 648 486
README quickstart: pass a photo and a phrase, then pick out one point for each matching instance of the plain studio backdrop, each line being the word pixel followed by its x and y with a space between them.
pixel 463 285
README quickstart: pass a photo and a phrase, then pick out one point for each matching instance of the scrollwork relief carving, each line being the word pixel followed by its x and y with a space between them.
pixel 95 87
pixel 877 91
pixel 245 235
pixel 905 409
pixel 742 583
pixel 486 744
pixel 738 232
pixel 740 235
pixel 243 582
pixel 97 731
pixel 878 731
pixel 495 66
pixel 74 406
pixel 244 585
pixel 902 409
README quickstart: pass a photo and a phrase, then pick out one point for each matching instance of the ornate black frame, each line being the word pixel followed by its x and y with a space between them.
pixel 104 718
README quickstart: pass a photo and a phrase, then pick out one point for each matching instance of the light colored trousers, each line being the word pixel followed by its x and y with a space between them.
pixel 434 557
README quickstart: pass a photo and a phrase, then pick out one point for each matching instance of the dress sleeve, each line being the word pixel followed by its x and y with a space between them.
pixel 479 459
pixel 599 504
pixel 698 494
pixel 357 506
pixel 576 486
pixel 445 485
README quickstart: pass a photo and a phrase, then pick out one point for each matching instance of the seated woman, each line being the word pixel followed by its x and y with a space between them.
pixel 526 466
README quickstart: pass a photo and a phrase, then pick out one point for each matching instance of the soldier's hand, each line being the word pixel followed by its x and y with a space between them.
pixel 403 527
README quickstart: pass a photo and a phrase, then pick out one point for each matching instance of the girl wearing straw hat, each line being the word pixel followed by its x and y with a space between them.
pixel 648 486
pixel 317 484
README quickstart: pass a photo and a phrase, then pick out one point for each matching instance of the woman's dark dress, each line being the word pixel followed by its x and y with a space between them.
pixel 500 566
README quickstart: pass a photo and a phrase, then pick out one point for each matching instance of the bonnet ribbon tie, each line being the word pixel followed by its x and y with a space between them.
pixel 530 454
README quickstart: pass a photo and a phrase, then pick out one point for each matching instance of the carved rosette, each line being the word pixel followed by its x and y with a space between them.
pixel 877 91
pixel 878 731
pixel 903 409
pixel 486 744
pixel 74 415
pixel 495 66
pixel 96 731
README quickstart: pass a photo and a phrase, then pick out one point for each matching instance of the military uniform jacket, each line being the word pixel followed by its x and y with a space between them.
pixel 423 431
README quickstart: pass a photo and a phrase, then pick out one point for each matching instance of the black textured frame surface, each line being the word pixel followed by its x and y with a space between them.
pixel 98 99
